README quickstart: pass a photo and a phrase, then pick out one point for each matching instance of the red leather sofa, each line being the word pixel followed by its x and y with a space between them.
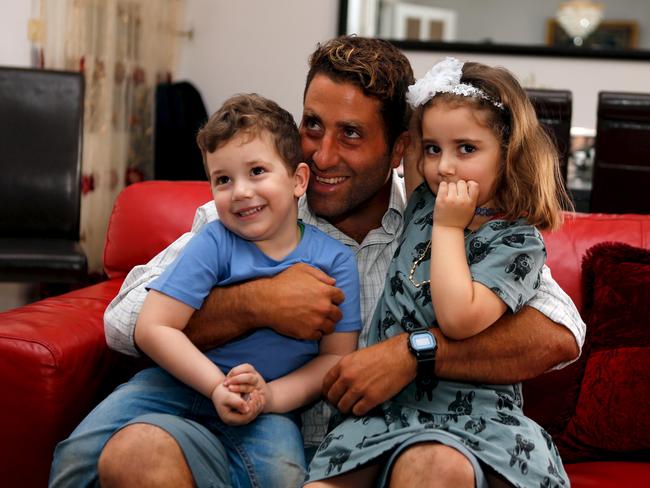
pixel 54 363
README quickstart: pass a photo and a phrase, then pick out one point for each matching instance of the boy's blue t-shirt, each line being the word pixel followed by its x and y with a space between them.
pixel 217 257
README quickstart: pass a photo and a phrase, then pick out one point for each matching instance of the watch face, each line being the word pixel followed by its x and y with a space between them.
pixel 422 341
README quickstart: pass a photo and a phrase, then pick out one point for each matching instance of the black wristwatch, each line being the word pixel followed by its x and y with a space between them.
pixel 423 346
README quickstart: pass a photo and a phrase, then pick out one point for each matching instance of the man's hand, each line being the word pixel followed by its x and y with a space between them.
pixel 370 376
pixel 301 302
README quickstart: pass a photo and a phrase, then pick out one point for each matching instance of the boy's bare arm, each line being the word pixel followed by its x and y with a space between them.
pixel 159 334
pixel 515 348
pixel 304 385
pixel 301 302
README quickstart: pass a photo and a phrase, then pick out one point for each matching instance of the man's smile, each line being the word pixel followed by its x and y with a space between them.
pixel 332 180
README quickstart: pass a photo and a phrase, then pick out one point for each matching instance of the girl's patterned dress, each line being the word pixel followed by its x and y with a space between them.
pixel 487 420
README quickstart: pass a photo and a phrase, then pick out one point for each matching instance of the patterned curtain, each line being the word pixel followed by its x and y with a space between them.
pixel 124 48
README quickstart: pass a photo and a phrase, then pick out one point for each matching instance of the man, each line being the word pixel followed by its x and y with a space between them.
pixel 354 135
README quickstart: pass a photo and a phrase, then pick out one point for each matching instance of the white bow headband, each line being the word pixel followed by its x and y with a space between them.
pixel 444 77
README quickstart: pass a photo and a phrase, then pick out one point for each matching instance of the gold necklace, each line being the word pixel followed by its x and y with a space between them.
pixel 416 262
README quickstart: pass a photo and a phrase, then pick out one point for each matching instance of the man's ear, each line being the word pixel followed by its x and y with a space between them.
pixel 399 148
pixel 301 180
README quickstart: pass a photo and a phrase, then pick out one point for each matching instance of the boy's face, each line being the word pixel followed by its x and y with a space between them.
pixel 344 143
pixel 253 191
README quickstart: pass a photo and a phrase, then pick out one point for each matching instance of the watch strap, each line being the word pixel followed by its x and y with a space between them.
pixel 426 379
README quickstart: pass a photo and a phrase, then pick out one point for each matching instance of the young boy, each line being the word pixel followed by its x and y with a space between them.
pixel 252 155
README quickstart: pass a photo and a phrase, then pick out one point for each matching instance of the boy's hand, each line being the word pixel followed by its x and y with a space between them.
pixel 455 203
pixel 241 397
pixel 245 379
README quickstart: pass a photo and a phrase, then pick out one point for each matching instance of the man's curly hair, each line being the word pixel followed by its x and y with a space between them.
pixel 377 67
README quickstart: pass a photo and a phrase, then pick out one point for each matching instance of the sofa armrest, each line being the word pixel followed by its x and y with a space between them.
pixel 54 367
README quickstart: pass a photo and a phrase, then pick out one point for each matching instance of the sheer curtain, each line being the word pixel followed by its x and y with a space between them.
pixel 123 48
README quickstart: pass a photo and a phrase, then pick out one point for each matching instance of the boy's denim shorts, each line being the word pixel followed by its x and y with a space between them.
pixel 268 452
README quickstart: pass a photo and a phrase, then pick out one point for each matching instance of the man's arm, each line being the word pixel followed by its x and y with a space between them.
pixel 524 345
pixel 122 313
pixel 301 302
pixel 515 348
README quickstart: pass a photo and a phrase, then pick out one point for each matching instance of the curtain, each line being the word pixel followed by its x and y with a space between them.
pixel 124 48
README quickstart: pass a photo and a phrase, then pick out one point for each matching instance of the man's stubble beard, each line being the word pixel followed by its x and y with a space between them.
pixel 336 208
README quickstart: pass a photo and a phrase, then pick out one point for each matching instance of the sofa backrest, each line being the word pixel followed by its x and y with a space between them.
pixel 146 218
pixel 149 216
pixel 567 246
pixel 550 399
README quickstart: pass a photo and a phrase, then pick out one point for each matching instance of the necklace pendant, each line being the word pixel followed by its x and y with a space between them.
pixel 416 263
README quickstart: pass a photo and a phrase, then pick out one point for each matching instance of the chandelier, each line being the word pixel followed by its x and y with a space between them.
pixel 579 18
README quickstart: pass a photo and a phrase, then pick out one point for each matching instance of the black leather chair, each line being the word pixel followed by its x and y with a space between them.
pixel 41 125
pixel 554 109
pixel 621 178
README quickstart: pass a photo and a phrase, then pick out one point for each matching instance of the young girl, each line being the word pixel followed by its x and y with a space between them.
pixel 471 251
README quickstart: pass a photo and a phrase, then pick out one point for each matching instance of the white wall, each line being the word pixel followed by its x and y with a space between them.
pixel 254 46
pixel 14 45
pixel 263 46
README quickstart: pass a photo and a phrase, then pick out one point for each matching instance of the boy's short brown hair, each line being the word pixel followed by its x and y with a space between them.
pixel 251 114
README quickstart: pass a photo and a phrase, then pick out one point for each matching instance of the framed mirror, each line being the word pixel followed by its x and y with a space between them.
pixel 512 27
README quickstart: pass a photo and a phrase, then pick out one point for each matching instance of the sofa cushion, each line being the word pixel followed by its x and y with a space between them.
pixel 147 217
pixel 612 415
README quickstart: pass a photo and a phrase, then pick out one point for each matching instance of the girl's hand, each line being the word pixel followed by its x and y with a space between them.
pixel 455 203
pixel 241 397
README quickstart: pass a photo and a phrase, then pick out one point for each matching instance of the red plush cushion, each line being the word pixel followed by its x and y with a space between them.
pixel 612 414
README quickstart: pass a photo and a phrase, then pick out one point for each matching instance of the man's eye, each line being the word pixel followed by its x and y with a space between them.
pixel 310 123
pixel 257 170
pixel 467 148
pixel 222 180
pixel 431 149
pixel 351 134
